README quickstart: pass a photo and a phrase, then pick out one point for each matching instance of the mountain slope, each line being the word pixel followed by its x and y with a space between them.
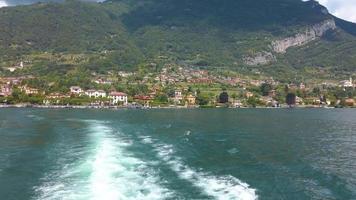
pixel 349 27
pixel 237 34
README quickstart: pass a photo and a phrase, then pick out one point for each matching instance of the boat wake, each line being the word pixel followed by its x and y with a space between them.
pixel 109 172
pixel 106 169
pixel 218 187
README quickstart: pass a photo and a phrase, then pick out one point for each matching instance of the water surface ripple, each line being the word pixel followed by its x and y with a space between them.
pixel 177 154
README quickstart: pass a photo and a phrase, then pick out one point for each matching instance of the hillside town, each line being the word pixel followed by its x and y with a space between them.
pixel 177 87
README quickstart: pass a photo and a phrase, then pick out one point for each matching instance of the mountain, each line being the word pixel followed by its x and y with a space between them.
pixel 279 37
pixel 346 26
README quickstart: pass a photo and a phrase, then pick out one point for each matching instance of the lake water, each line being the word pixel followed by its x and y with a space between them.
pixel 178 154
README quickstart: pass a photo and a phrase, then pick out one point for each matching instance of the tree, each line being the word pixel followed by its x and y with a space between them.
pixel 316 91
pixel 162 98
pixel 190 89
pixel 291 99
pixel 286 89
pixel 253 101
pixel 224 97
pixel 202 100
pixel 234 96
pixel 265 89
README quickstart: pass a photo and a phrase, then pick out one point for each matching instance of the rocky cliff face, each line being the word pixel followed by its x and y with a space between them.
pixel 310 34
pixel 260 58
pixel 281 46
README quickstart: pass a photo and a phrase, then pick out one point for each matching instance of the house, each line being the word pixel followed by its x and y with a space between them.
pixel 347 83
pixel 350 102
pixel 312 100
pixel 152 94
pixel 100 93
pixel 299 100
pixel 95 93
pixel 178 97
pixel 29 91
pixel 12 80
pixel 268 101
pixel 54 98
pixel 249 94
pixel 190 99
pixel 237 104
pixel 76 90
pixel 125 74
pixel 118 97
pixel 5 90
pixel 302 86
pixel 145 100
pixel 101 81
pixel 292 86
pixel 11 69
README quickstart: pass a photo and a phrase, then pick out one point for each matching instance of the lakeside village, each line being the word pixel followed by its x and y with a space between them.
pixel 177 87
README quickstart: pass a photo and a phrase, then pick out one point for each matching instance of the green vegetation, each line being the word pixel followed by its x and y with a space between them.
pixel 59 45
pixel 265 89
pixel 224 97
pixel 54 39
pixel 291 99
pixel 20 97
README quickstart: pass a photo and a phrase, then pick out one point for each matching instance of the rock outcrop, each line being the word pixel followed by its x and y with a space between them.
pixel 280 46
pixel 260 58
pixel 310 34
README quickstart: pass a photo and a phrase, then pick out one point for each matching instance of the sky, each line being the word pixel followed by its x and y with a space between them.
pixel 345 9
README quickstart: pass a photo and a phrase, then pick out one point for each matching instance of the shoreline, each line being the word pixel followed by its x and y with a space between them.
pixel 150 108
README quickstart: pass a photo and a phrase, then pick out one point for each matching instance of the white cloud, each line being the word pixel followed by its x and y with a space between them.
pixel 345 9
pixel 3 4
pixel 25 2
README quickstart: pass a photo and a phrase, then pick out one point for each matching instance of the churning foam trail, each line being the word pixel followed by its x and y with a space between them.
pixel 110 172
pixel 221 188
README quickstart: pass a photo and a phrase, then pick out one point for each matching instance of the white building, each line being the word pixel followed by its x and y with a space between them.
pixel 125 74
pixel 237 104
pixel 95 93
pixel 103 82
pixel 29 90
pixel 347 83
pixel 76 90
pixel 5 90
pixel 178 97
pixel 118 97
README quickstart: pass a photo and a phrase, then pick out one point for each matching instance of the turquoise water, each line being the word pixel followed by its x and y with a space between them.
pixel 177 154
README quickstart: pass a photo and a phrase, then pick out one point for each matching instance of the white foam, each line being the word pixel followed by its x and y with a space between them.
pixel 146 139
pixel 221 188
pixel 110 172
pixel 35 117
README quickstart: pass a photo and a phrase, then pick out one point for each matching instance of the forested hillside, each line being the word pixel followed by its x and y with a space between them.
pixel 124 34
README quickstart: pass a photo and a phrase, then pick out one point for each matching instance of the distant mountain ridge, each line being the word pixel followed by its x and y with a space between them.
pixel 282 34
